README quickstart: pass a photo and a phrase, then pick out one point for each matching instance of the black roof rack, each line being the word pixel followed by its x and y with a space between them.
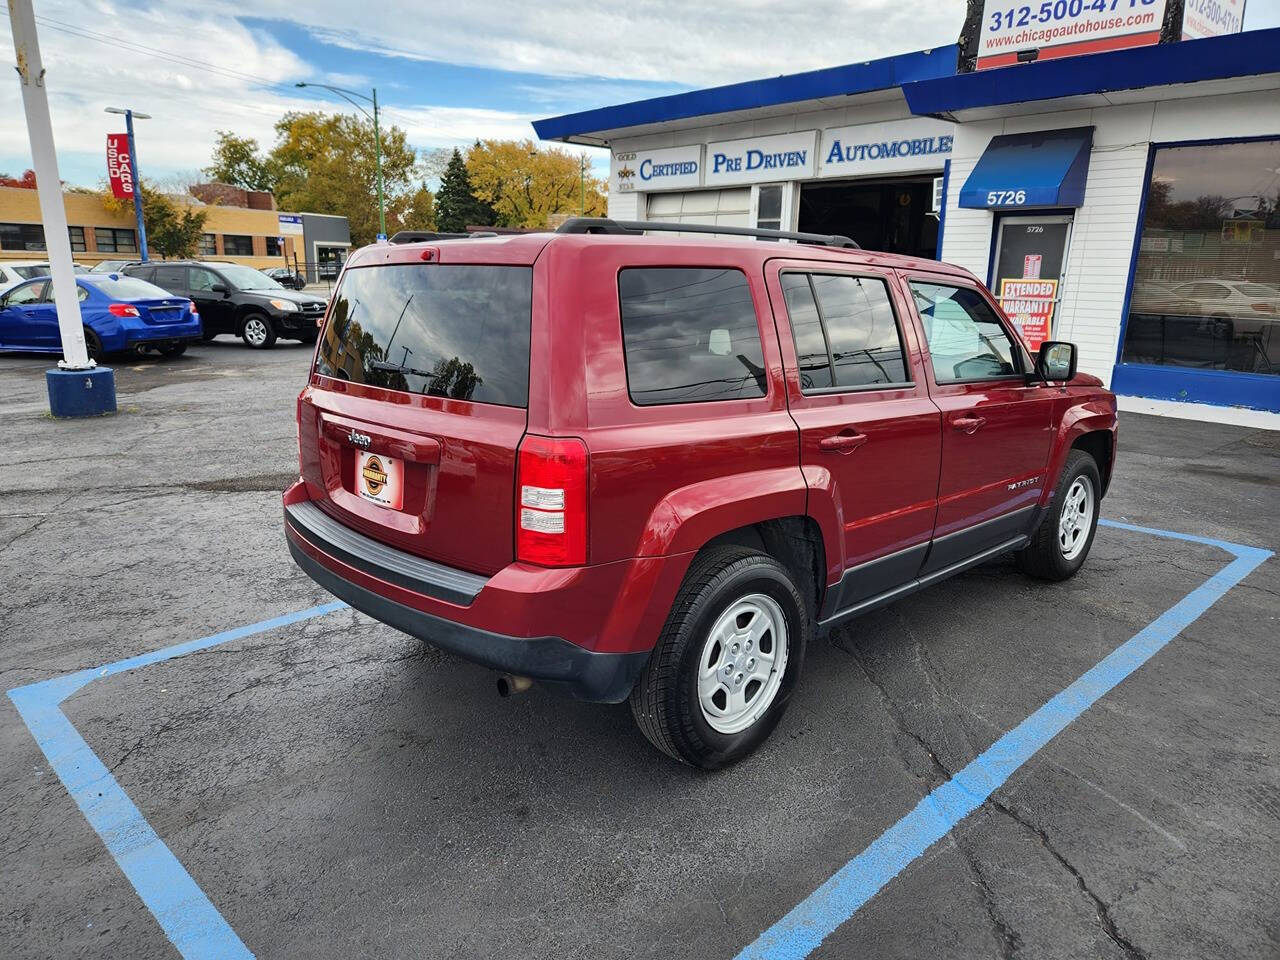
pixel 634 227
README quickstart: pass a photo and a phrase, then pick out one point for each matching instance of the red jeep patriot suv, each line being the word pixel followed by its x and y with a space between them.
pixel 655 468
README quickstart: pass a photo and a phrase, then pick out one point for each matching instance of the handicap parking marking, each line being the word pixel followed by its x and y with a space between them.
pixel 199 932
pixel 816 917
pixel 191 922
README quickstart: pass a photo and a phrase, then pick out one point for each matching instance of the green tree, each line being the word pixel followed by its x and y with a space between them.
pixel 173 228
pixel 456 203
pixel 239 162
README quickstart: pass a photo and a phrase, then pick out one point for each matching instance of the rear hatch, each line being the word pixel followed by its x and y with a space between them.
pixel 409 430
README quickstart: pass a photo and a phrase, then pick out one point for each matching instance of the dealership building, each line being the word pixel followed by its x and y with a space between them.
pixel 241 226
pixel 1127 200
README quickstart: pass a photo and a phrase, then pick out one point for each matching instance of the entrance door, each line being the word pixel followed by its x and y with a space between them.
pixel 1032 249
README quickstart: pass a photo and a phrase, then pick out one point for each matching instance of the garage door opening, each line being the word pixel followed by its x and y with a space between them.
pixel 888 215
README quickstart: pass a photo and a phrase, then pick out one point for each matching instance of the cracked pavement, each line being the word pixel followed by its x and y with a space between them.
pixel 341 790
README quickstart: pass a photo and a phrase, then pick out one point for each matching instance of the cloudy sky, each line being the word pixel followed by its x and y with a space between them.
pixel 446 72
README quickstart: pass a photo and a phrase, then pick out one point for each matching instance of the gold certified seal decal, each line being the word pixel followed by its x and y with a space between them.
pixel 375 478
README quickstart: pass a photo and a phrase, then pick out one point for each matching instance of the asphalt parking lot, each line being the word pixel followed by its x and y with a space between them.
pixel 338 790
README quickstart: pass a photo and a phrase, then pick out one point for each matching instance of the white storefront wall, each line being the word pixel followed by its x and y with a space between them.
pixel 1105 227
pixel 653 176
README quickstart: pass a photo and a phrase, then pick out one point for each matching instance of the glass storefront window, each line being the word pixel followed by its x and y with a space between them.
pixel 1206 290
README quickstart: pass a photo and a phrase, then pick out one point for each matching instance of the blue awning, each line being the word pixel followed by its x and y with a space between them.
pixel 1019 170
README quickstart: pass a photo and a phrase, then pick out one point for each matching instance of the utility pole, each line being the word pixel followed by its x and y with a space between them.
pixel 377 152
pixel 582 185
pixel 78 387
pixel 137 180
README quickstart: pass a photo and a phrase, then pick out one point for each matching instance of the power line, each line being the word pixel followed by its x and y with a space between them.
pixel 85 33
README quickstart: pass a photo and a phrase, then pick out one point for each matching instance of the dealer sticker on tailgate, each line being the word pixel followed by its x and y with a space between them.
pixel 380 479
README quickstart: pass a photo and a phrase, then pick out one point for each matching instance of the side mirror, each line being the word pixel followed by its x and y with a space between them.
pixel 221 288
pixel 1056 361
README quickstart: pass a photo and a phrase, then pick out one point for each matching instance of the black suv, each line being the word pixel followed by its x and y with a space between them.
pixel 237 299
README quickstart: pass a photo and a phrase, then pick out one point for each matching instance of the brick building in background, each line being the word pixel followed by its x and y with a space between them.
pixel 242 226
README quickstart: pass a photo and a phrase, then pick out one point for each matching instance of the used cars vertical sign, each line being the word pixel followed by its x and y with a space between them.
pixel 119 170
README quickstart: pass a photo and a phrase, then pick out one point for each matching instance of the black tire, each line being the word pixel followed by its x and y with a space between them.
pixel 1044 557
pixel 93 343
pixel 665 700
pixel 250 328
pixel 173 350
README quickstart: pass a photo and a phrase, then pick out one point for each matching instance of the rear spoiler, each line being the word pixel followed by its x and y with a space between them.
pixel 423 236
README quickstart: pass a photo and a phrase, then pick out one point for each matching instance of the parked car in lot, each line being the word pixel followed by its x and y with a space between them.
pixel 13 272
pixel 119 313
pixel 654 469
pixel 286 277
pixel 112 266
pixel 238 300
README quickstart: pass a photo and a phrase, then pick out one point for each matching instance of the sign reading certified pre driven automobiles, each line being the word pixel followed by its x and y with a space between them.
pixel 788 156
pixel 673 168
pixel 1063 28
pixel 872 148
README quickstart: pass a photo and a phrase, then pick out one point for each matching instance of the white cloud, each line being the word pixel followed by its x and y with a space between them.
pixel 646 40
pixel 663 40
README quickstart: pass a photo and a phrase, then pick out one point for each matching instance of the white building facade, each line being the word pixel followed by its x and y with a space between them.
pixel 1127 201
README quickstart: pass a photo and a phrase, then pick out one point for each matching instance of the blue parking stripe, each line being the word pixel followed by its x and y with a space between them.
pixel 802 930
pixel 188 918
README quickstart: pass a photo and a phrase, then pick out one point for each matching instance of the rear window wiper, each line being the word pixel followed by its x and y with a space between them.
pixel 390 367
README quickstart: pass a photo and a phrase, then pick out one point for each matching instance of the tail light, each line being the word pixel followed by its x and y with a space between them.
pixel 123 310
pixel 191 305
pixel 551 515
pixel 1263 307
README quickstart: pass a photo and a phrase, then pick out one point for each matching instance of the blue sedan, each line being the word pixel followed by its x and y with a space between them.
pixel 119 313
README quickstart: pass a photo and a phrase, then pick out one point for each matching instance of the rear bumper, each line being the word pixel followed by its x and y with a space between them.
pixel 474 617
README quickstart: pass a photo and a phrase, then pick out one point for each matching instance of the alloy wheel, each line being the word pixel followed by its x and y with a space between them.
pixel 743 662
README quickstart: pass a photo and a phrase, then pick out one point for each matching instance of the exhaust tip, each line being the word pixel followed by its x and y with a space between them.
pixel 509 685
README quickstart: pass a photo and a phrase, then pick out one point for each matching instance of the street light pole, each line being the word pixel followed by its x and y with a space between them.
pixel 137 180
pixel 377 138
pixel 78 387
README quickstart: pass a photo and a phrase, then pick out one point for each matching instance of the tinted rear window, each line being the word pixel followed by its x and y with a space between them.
pixel 690 335
pixel 125 288
pixel 455 331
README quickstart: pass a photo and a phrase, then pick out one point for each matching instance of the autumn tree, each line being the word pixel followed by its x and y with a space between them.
pixel 414 211
pixel 527 185
pixel 327 164
pixel 27 181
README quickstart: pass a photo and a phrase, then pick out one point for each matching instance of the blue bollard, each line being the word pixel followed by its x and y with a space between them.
pixel 81 393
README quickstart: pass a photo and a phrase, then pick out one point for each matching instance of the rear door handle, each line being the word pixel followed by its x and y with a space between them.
pixel 968 424
pixel 842 442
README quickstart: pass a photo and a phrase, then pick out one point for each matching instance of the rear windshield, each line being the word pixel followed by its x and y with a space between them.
pixel 442 330
pixel 126 288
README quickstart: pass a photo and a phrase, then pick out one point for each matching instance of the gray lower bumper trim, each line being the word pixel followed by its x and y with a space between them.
pixel 381 561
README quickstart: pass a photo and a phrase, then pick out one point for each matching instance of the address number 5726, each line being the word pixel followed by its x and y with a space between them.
pixel 1000 198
